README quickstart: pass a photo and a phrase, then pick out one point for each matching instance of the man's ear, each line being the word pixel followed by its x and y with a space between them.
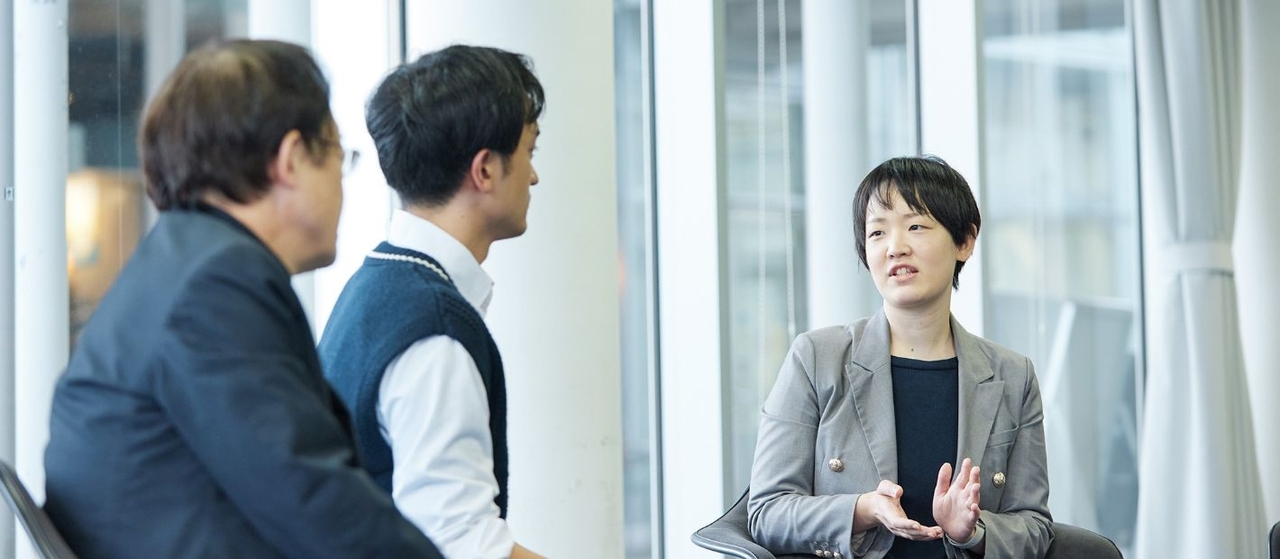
pixel 283 168
pixel 484 169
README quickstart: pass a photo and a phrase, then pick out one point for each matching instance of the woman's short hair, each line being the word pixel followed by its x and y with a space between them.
pixel 929 186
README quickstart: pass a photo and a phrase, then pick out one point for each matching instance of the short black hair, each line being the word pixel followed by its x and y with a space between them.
pixel 430 117
pixel 930 187
pixel 218 120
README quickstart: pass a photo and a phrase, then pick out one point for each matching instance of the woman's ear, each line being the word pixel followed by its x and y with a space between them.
pixel 970 243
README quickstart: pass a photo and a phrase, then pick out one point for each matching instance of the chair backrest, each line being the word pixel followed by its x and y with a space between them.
pixel 1074 542
pixel 1275 541
pixel 730 536
pixel 45 538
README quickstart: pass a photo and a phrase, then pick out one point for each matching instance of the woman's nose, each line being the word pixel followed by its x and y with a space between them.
pixel 896 247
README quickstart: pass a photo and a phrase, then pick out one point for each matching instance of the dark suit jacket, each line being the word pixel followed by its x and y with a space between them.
pixel 193 419
pixel 834 400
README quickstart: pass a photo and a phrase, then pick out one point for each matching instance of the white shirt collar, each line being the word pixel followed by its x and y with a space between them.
pixel 414 233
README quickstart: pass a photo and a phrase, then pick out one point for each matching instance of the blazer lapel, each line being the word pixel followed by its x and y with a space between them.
pixel 979 396
pixel 871 384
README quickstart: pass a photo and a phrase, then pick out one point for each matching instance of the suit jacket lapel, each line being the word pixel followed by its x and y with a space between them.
pixel 871 384
pixel 979 396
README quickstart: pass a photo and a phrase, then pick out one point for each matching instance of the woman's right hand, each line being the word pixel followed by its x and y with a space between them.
pixel 884 508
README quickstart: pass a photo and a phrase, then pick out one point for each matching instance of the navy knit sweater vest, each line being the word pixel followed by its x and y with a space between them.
pixel 387 306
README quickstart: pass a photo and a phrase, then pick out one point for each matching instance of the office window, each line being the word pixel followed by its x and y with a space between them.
pixel 1060 226
pixel 765 114
pixel 641 509
pixel 118 52
pixel 763 142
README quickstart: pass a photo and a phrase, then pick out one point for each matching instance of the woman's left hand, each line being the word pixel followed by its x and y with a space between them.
pixel 955 505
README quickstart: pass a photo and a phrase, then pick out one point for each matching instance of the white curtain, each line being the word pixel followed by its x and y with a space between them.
pixel 1200 492
pixel 1257 259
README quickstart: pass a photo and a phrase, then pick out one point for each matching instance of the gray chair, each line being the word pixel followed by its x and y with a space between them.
pixel 1275 541
pixel 728 535
pixel 1074 542
pixel 46 540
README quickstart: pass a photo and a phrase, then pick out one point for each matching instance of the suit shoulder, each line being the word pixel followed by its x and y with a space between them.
pixel 194 256
pixel 825 351
pixel 1006 363
pixel 999 353
pixel 245 256
pixel 826 338
pixel 233 288
pixel 830 340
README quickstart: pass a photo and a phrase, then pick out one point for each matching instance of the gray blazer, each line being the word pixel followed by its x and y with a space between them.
pixel 834 400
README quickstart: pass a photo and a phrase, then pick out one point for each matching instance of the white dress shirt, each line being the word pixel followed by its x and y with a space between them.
pixel 434 413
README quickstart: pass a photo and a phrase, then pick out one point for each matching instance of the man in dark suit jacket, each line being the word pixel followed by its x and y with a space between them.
pixel 193 419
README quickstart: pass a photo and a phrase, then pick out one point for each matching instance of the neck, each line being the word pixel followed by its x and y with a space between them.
pixel 460 223
pixel 924 335
pixel 259 218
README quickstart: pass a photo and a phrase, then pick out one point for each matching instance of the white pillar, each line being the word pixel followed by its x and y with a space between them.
pixel 837 36
pixel 688 86
pixel 1257 260
pixel 360 65
pixel 555 303
pixel 166 32
pixel 950 35
pixel 282 20
pixel 40 244
pixel 289 21
pixel 6 255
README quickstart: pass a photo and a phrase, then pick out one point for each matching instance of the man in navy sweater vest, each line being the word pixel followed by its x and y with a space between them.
pixel 406 347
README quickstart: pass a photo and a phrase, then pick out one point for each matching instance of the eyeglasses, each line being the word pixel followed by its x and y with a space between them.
pixel 350 157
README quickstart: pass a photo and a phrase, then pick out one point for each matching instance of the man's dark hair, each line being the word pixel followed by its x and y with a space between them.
pixel 431 116
pixel 218 120
pixel 930 187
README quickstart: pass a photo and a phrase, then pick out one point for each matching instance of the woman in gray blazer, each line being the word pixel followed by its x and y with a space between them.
pixel 859 436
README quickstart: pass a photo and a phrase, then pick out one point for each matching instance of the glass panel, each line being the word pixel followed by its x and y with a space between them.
pixel 891 129
pixel 1061 238
pixel 765 244
pixel 764 113
pixel 635 248
pixel 110 42
pixel 105 199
